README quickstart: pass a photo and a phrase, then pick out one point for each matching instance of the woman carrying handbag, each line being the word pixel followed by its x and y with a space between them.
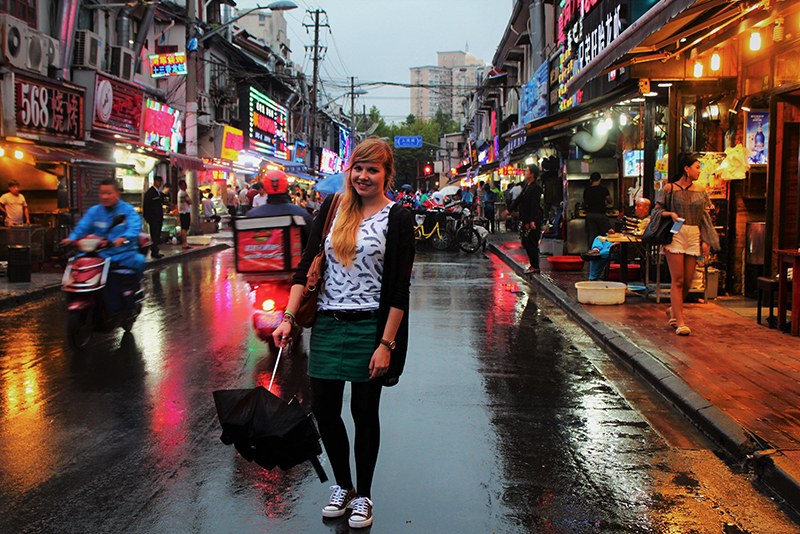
pixel 361 330
pixel 696 236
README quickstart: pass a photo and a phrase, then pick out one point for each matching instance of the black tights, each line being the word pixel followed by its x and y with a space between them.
pixel 326 403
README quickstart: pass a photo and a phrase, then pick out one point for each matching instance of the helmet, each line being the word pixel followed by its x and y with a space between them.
pixel 276 183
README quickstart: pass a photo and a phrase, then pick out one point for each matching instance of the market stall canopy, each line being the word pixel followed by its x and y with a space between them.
pixel 51 155
pixel 182 161
pixel 666 30
pixel 331 184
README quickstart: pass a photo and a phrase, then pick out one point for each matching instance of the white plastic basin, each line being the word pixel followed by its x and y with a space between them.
pixel 601 293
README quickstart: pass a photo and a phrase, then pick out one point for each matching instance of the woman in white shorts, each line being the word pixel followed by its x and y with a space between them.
pixel 682 199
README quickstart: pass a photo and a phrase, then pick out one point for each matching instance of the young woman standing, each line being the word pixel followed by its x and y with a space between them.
pixel 361 332
pixel 682 199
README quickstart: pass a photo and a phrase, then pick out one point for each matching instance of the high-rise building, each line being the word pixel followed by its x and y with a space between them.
pixel 268 27
pixel 447 85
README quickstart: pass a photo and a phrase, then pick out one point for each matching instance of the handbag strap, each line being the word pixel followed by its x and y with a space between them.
pixel 329 220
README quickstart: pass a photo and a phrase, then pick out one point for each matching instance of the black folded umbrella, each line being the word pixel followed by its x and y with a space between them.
pixel 266 430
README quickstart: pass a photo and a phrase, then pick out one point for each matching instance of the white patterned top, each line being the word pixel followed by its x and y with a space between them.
pixel 357 287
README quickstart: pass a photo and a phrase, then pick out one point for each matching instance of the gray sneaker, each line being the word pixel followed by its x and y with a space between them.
pixel 340 499
pixel 362 513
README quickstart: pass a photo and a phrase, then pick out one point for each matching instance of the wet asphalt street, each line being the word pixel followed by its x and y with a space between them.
pixel 508 419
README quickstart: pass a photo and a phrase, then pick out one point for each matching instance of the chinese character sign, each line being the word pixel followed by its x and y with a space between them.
pixel 232 143
pixel 47 109
pixel 268 125
pixel 163 65
pixel 162 126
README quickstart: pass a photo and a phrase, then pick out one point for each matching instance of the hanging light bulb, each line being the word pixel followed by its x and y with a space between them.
pixel 755 41
pixel 716 62
pixel 698 70
pixel 601 128
pixel 623 120
pixel 609 123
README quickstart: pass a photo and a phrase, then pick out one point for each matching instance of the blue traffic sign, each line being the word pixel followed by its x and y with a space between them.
pixel 408 141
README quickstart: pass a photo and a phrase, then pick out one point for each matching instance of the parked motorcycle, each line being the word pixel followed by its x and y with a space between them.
pixel 101 296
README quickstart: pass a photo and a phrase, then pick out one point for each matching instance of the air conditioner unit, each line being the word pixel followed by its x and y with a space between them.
pixel 14 47
pixel 53 55
pixel 203 110
pixel 86 53
pixel 122 62
pixel 38 45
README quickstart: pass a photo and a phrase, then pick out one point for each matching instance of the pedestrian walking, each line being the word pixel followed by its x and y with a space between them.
pixel 489 198
pixel 682 199
pixel 231 202
pixel 153 211
pixel 361 332
pixel 529 204
pixel 244 200
pixel 184 212
pixel 596 197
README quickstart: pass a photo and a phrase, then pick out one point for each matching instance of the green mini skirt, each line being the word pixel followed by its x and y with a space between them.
pixel 341 350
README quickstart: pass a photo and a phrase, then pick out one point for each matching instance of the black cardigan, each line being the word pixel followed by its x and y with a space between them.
pixel 398 261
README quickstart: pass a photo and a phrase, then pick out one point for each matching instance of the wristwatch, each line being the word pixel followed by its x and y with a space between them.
pixel 391 344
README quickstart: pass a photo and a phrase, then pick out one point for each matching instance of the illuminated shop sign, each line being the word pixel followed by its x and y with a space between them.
pixel 344 143
pixel 163 65
pixel 48 109
pixel 117 108
pixel 163 127
pixel 232 143
pixel 300 149
pixel 585 29
pixel 268 125
pixel 330 162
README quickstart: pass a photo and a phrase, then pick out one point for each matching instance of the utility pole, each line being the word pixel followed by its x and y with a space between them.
pixel 352 112
pixel 315 58
pixel 191 118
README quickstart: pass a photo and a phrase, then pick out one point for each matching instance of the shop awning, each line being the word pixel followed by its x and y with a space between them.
pixel 665 30
pixel 48 154
pixel 29 177
pixel 288 166
pixel 182 161
pixel 569 117
pixel 303 176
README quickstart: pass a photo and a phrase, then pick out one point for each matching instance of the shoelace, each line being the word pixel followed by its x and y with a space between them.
pixel 361 506
pixel 339 493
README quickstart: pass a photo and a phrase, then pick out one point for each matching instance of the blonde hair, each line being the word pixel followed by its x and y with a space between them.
pixel 344 233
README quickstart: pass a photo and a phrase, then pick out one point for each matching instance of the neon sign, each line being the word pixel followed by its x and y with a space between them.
pixel 232 143
pixel 268 125
pixel 163 65
pixel 162 126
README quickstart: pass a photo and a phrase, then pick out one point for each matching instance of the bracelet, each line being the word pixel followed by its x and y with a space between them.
pixel 289 318
pixel 290 314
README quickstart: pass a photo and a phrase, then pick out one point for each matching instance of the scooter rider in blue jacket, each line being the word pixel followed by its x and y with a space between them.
pixel 98 221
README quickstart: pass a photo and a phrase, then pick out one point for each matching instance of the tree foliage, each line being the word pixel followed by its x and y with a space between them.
pixel 408 162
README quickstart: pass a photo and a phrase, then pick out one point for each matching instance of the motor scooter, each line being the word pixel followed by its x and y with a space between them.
pixel 101 296
pixel 271 298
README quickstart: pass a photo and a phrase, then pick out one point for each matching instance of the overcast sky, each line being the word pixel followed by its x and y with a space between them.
pixel 379 40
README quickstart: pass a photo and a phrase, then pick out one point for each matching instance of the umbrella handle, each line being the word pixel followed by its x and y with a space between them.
pixel 275 369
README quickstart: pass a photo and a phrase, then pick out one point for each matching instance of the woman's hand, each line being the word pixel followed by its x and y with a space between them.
pixel 705 248
pixel 379 364
pixel 283 334
pixel 674 216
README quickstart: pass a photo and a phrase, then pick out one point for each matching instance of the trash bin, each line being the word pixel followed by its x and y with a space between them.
pixel 19 264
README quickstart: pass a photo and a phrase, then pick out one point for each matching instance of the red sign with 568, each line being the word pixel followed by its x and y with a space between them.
pixel 46 109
